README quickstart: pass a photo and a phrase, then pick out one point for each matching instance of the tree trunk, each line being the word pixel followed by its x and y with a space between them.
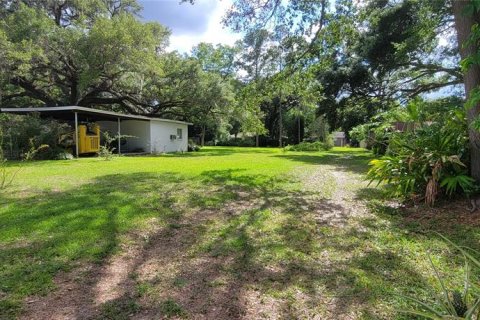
pixel 298 129
pixel 463 25
pixel 257 141
pixel 74 92
pixel 203 137
pixel 280 125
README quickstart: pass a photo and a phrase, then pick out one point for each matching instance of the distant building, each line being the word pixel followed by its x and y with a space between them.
pixel 339 138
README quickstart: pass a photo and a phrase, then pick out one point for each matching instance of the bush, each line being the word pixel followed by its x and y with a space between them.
pixel 329 143
pixel 428 160
pixel 106 150
pixel 192 146
pixel 309 146
pixel 31 137
pixel 239 142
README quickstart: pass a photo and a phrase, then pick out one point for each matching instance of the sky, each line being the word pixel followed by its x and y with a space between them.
pixel 190 24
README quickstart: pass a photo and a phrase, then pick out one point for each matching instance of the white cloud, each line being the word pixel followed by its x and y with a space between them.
pixel 215 32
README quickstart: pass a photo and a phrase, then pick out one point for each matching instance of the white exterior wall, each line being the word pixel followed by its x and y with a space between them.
pixel 152 136
pixel 160 132
pixel 110 126
pixel 140 132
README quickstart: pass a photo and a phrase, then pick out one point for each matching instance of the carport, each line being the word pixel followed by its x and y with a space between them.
pixel 151 134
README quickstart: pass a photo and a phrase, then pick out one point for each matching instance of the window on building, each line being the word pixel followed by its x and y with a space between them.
pixel 179 134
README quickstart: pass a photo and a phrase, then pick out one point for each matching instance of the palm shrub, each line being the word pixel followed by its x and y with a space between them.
pixel 428 160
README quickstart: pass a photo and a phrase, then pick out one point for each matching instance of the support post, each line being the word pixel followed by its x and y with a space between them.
pixel 76 135
pixel 119 142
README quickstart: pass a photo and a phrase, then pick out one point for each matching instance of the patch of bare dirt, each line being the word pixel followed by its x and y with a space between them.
pixel 443 214
pixel 70 300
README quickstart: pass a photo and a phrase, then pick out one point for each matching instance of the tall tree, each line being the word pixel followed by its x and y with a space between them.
pixel 218 59
pixel 97 53
pixel 214 102
pixel 466 17
pixel 75 63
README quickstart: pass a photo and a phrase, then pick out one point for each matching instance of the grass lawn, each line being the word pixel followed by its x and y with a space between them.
pixel 219 234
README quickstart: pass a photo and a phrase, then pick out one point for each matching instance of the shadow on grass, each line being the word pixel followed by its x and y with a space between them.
pixel 450 218
pixel 221 151
pixel 219 242
pixel 44 234
pixel 350 162
pixel 413 232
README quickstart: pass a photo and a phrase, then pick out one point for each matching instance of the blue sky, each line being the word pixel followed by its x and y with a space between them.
pixel 190 24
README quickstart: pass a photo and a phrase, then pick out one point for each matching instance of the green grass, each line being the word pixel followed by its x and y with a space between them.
pixel 121 309
pixel 169 308
pixel 59 215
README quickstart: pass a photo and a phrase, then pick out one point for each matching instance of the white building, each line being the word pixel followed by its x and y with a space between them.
pixel 143 134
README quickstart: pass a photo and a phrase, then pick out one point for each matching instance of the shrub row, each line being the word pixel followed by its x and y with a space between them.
pixel 309 146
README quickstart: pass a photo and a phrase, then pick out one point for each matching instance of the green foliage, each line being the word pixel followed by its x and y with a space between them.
pixel 429 158
pixel 212 98
pixel 33 152
pixel 329 143
pixel 398 31
pixel 7 175
pixel 192 146
pixel 366 57
pixel 248 108
pixel 31 137
pixel 119 309
pixel 375 134
pixel 452 304
pixel 257 57
pixel 458 182
pixel 106 56
pixel 170 308
pixel 107 149
pixel 319 129
pixel 309 146
pixel 359 133
pixel 217 59
pixel 106 153
pixel 238 142
pixel 6 179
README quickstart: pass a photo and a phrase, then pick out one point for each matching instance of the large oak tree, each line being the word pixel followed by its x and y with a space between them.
pixel 95 53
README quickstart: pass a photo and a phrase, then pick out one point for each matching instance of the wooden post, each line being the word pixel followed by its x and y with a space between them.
pixel 76 135
pixel 119 142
